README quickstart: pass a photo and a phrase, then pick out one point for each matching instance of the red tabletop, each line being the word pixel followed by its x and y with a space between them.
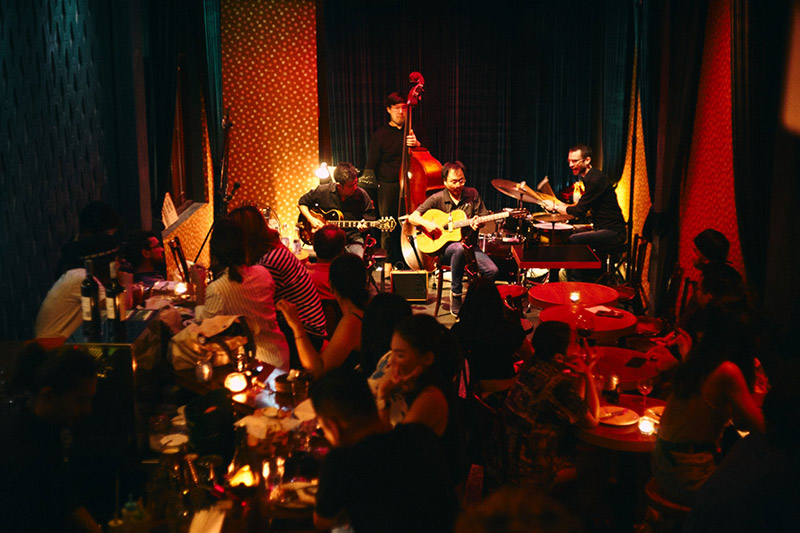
pixel 629 365
pixel 559 293
pixel 623 438
pixel 514 291
pixel 605 329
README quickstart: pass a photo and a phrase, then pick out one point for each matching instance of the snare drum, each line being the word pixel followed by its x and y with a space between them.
pixel 556 233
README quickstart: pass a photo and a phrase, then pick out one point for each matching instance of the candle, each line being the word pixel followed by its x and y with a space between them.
pixel 236 382
pixel 574 297
pixel 647 426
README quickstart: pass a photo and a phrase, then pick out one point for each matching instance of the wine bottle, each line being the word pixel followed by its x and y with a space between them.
pixel 115 305
pixel 90 305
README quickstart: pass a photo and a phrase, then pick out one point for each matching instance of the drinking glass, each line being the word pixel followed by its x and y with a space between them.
pixel 645 387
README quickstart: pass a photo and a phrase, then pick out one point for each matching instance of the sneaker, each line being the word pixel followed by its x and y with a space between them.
pixel 455 304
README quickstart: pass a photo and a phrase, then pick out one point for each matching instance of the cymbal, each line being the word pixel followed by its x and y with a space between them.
pixel 551 217
pixel 510 188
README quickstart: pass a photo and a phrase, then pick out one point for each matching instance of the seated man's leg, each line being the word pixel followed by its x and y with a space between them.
pixel 598 241
pixel 455 256
pixel 486 266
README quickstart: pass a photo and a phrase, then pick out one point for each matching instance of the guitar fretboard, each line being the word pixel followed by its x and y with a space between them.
pixel 479 220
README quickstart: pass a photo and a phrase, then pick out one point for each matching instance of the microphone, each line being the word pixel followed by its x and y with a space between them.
pixel 229 196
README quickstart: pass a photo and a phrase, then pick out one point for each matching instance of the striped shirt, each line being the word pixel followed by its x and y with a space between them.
pixel 293 283
pixel 253 298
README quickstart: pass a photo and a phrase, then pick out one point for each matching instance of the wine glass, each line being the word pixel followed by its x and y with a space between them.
pixel 584 327
pixel 645 387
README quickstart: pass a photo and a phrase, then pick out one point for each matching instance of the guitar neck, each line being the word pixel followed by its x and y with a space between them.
pixel 351 223
pixel 479 220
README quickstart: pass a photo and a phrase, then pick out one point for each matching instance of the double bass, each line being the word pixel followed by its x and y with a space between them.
pixel 420 173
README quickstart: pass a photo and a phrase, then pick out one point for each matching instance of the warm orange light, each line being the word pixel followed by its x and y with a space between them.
pixel 244 476
pixel 236 382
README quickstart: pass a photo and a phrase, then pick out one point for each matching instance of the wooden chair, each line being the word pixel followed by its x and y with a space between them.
pixel 649 326
pixel 631 293
pixel 664 514
pixel 471 270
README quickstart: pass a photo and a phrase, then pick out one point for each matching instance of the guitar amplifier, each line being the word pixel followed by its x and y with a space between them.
pixel 411 284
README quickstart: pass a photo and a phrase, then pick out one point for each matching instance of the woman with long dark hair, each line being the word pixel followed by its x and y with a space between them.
pixel 239 289
pixel 712 388
pixel 348 277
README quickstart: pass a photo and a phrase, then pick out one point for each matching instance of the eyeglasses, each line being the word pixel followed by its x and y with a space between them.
pixel 574 161
pixel 459 181
pixel 398 107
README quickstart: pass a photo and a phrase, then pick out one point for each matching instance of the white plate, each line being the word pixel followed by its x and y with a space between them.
pixel 306 494
pixel 655 412
pixel 614 415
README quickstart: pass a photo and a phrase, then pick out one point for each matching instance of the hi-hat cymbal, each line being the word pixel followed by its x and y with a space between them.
pixel 551 217
pixel 511 188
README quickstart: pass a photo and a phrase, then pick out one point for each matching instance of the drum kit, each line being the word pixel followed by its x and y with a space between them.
pixel 547 227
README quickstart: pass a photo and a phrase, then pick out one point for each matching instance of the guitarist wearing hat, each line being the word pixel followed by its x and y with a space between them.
pixel 455 196
pixel 342 197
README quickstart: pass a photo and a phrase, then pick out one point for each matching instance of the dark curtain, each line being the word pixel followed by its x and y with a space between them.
pixel 166 24
pixel 212 93
pixel 508 90
pixel 617 72
pixel 758 32
pixel 672 38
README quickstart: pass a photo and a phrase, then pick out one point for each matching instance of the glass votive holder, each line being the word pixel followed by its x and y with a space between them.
pixel 203 370
pixel 647 425
pixel 236 382
pixel 574 297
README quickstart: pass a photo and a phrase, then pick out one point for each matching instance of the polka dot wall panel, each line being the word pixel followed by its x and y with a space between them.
pixel 269 82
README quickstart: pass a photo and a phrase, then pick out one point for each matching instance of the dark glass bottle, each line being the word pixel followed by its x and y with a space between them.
pixel 115 305
pixel 90 305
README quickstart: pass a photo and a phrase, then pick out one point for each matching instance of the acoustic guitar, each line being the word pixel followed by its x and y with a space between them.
pixel 334 217
pixel 451 224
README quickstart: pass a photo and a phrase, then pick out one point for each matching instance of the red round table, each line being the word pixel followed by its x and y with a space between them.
pixel 562 292
pixel 605 328
pixel 631 366
pixel 623 438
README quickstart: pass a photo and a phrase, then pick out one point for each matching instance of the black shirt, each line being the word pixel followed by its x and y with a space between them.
pixel 326 197
pixel 600 199
pixel 470 203
pixel 395 481
pixel 385 153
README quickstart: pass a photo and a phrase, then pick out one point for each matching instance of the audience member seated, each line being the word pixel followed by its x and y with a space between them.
pixel 416 383
pixel 710 246
pixel 239 289
pixel 145 255
pixel 517 509
pixel 37 493
pixel 348 277
pixel 60 312
pixel 382 314
pixel 712 387
pixel 375 477
pixel 491 338
pixel 755 486
pixel 292 281
pixel 544 404
pixel 96 218
pixel 329 241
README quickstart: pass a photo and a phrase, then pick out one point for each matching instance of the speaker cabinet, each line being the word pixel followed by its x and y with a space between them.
pixel 411 284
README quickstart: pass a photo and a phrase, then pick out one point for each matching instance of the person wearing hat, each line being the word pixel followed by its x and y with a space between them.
pixel 710 246
pixel 60 312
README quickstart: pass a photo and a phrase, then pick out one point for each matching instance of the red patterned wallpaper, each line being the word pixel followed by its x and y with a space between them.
pixel 707 200
pixel 269 82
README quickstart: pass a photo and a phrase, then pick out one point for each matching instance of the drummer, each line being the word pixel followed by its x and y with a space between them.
pixel 599 200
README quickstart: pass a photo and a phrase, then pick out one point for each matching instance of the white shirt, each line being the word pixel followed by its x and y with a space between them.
pixel 60 313
pixel 253 298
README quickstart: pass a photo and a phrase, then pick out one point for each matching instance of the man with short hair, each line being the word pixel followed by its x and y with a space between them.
pixel 343 195
pixel 145 254
pixel 381 479
pixel 383 162
pixel 599 200
pixel 456 196
pixel 37 493
pixel 329 242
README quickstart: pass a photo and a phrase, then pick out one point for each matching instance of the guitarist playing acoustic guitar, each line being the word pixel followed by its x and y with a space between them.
pixel 455 196
pixel 344 195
